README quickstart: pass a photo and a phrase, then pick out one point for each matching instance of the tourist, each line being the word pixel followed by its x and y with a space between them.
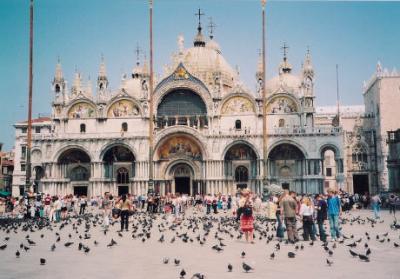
pixel 376 205
pixel 278 213
pixel 57 209
pixel 289 206
pixel 82 205
pixel 321 208
pixel 125 206
pixel 106 205
pixel 392 204
pixel 306 212
pixel 246 218
pixel 334 211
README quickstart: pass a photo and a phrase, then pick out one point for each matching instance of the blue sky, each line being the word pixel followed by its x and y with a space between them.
pixel 354 35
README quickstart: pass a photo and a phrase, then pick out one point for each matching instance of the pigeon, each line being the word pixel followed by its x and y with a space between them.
pixel 328 262
pixel 53 247
pixel 354 254
pixel 243 254
pixel 42 261
pixel 197 276
pixel 396 245
pixel 368 252
pixel 363 258
pixel 4 246
pixel 68 244
pixel 246 267
pixel 165 260
pixel 17 254
pixel 291 255
pixel 272 256
pixel 182 273
pixel 230 267
pixel 177 262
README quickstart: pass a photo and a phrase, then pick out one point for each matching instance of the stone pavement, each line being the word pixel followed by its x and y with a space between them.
pixel 133 258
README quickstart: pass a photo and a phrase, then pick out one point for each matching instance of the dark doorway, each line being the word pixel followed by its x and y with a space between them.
pixel 123 190
pixel 241 186
pixel 360 183
pixel 182 185
pixel 80 190
pixel 285 186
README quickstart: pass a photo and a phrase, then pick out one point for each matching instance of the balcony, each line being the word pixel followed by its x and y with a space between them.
pixel 194 121
pixel 305 131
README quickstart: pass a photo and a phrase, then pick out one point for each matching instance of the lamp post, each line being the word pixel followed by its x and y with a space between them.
pixel 264 110
pixel 28 167
pixel 151 113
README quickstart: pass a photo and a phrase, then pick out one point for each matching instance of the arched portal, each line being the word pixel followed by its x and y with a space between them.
pixel 38 174
pixel 74 164
pixel 119 166
pixel 182 107
pixel 286 167
pixel 183 176
pixel 332 165
pixel 240 164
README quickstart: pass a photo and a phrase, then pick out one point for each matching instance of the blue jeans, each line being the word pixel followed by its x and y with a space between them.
pixel 321 231
pixel 376 208
pixel 334 225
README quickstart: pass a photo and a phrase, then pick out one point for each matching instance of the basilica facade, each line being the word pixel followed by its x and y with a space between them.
pixel 207 131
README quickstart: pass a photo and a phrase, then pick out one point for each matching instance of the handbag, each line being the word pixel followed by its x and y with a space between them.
pixel 116 212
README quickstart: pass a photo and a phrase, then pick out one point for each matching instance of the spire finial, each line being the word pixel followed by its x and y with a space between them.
pixel 285 48
pixel 137 50
pixel 102 68
pixel 199 14
pixel 211 27
pixel 199 39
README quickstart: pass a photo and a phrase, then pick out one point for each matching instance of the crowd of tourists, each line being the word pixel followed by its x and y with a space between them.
pixel 286 209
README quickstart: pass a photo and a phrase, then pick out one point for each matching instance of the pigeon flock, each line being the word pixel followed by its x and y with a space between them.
pixel 198 246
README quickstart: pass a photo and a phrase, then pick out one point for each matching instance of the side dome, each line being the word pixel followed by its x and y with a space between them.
pixel 286 81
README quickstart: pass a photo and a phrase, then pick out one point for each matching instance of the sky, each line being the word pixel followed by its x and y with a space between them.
pixel 354 35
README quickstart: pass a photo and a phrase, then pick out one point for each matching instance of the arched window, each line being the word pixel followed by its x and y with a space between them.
pixel 359 154
pixel 123 176
pixel 79 173
pixel 124 127
pixel 83 128
pixel 238 124
pixel 241 174
pixel 281 123
pixel 58 88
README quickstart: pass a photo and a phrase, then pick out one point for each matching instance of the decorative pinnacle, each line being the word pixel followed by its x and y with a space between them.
pixel 137 50
pixel 199 14
pixel 211 27
pixel 284 48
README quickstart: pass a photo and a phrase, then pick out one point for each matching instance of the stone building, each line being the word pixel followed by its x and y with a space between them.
pixel 393 160
pixel 6 169
pixel 207 131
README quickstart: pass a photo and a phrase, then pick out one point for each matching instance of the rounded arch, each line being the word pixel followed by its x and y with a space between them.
pixel 81 108
pixel 108 147
pixel 285 151
pixel 330 146
pixel 240 142
pixel 170 169
pixel 181 101
pixel 70 148
pixel 290 142
pixel 179 144
pixel 238 103
pixel 169 85
pixel 122 107
pixel 282 103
